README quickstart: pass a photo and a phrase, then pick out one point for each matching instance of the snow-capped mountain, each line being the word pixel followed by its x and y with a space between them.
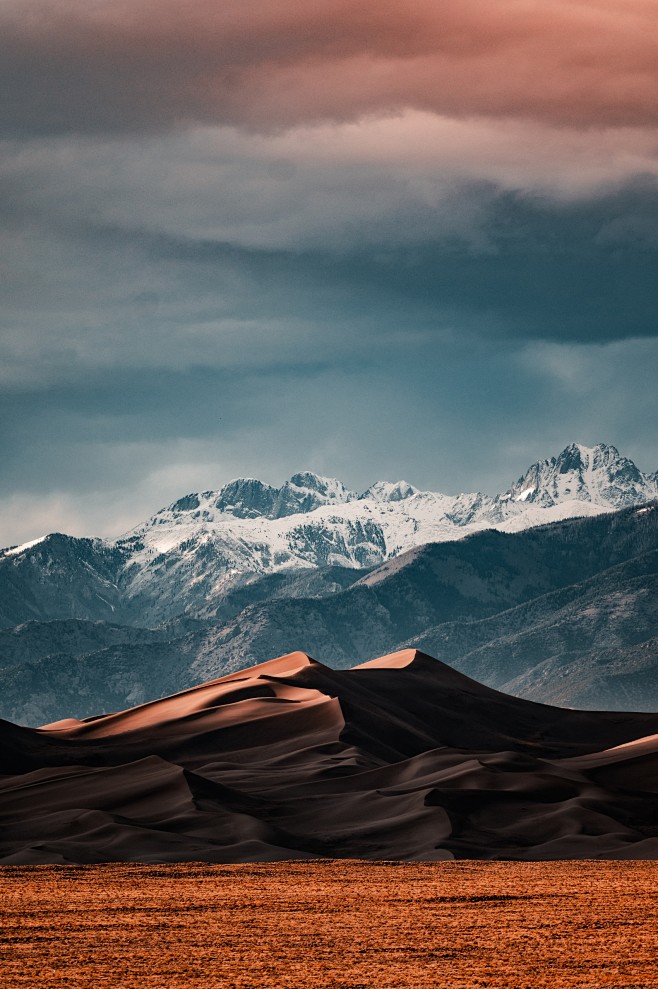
pixel 211 539
pixel 190 554
pixel 248 498
pixel 598 475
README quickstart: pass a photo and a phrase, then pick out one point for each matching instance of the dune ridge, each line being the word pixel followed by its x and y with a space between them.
pixel 398 758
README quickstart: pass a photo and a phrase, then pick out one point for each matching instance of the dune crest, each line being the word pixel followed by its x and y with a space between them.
pixel 398 758
pixel 394 661
pixel 281 666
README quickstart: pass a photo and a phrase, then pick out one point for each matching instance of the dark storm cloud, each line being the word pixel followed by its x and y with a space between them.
pixel 407 239
pixel 582 272
pixel 74 65
pixel 83 298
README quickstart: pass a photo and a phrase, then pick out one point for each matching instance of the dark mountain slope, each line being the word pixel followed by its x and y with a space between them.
pixel 539 649
pixel 62 577
pixel 482 575
pixel 494 604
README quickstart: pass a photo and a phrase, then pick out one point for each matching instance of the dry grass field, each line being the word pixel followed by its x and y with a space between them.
pixel 330 925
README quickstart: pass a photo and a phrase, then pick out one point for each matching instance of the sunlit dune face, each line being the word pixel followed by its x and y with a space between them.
pixel 395 661
pixel 252 694
pixel 281 666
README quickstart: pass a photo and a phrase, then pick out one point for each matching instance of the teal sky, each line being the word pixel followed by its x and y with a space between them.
pixel 399 243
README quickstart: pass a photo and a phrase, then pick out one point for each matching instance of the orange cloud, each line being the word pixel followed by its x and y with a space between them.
pixel 268 64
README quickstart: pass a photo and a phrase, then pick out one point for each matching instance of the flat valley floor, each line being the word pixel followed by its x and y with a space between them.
pixel 330 925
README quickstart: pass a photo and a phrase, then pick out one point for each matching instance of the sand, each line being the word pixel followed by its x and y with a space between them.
pixel 402 758
pixel 330 925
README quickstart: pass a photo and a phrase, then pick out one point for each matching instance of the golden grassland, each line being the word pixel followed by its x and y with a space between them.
pixel 330 925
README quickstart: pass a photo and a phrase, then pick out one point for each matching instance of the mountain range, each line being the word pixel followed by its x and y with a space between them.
pixel 189 556
pixel 546 590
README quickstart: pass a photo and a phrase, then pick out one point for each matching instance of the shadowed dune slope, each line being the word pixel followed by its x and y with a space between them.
pixel 402 757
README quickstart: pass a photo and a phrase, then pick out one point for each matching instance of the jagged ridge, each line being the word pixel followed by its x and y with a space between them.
pixel 190 555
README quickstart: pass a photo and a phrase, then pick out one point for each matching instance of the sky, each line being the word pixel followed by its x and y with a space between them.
pixel 392 239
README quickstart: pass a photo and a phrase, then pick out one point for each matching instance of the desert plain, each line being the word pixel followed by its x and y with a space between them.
pixel 330 925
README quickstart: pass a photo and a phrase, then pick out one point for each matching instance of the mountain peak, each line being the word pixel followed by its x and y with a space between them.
pixel 578 455
pixel 597 474
pixel 246 497
pixel 327 486
pixel 306 491
pixel 389 491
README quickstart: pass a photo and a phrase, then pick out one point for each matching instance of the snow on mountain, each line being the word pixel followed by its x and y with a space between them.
pixel 598 475
pixel 247 498
pixel 17 550
pixel 212 539
pixel 193 551
pixel 389 491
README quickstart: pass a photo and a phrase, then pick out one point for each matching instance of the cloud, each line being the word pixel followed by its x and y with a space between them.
pixel 112 65
pixel 83 291
pixel 387 180
pixel 378 239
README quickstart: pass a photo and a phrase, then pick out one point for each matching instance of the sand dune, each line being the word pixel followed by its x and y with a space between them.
pixel 399 758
